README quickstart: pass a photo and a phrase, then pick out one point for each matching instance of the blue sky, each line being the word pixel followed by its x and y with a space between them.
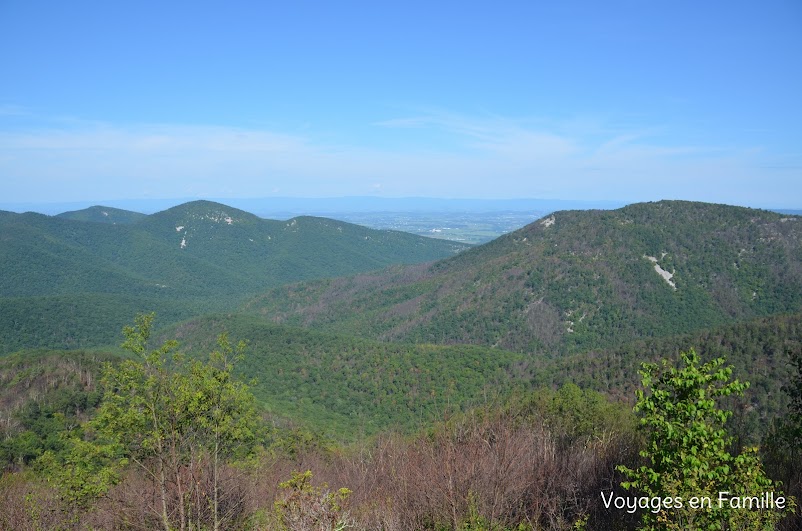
pixel 615 100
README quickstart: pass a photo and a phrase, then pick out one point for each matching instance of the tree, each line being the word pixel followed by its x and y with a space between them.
pixel 176 421
pixel 687 454
pixel 782 445
pixel 83 471
pixel 791 425
pixel 222 411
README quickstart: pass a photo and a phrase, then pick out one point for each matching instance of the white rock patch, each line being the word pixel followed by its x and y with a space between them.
pixel 548 222
pixel 666 275
pixel 662 272
pixel 217 217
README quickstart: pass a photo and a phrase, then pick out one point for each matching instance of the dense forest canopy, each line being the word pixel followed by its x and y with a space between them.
pixel 491 389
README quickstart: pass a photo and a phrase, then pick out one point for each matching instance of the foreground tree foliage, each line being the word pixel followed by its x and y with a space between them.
pixel 175 443
pixel 688 451
pixel 176 421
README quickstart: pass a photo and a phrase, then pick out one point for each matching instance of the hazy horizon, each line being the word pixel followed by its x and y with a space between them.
pixel 291 206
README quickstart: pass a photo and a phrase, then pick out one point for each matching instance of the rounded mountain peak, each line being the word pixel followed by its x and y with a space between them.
pixel 208 211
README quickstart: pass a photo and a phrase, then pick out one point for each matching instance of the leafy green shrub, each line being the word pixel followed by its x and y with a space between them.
pixel 688 454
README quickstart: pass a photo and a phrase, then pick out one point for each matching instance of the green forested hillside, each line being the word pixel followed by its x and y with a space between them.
pixel 65 279
pixel 199 248
pixel 103 214
pixel 350 386
pixel 573 281
pixel 43 395
pixel 274 252
pixel 87 320
pixel 758 351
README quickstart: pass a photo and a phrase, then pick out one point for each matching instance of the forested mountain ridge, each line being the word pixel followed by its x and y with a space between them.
pixel 573 281
pixel 192 248
pixel 301 246
pixel 192 259
pixel 103 214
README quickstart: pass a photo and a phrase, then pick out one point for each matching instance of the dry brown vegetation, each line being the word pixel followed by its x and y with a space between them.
pixel 486 470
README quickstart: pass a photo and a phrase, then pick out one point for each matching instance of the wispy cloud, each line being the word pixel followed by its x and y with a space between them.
pixel 573 140
pixel 484 156
pixel 493 136
pixel 149 138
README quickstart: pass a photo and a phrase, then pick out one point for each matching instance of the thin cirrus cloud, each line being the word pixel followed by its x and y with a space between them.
pixel 491 135
pixel 469 156
pixel 574 140
pixel 590 158
pixel 145 138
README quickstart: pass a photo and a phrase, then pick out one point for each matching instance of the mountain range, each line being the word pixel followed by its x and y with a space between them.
pixel 354 330
pixel 104 265
pixel 383 358
pixel 572 281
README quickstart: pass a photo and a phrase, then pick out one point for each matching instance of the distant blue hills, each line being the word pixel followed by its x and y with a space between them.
pixel 273 207
pixel 287 207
